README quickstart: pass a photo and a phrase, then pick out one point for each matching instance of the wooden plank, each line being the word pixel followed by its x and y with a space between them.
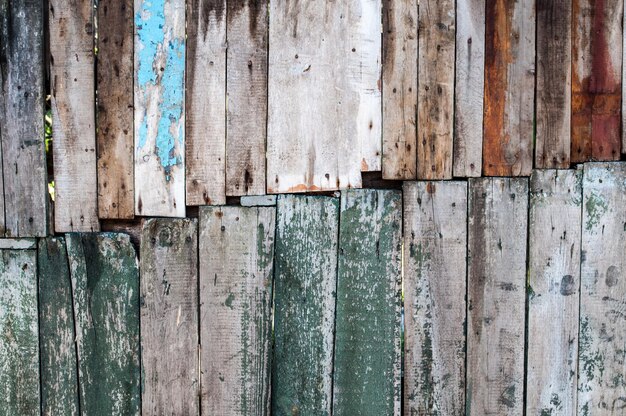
pixel 498 213
pixel 246 85
pixel 206 102
pixel 553 292
pixel 399 89
pixel 304 304
pixel 602 335
pixel 59 371
pixel 435 241
pixel 105 291
pixel 17 243
pixel 160 107
pixel 469 87
pixel 509 87
pixel 236 258
pixel 169 317
pixel 258 201
pixel 367 341
pixel 313 102
pixel 435 99
pixel 116 190
pixel 25 201
pixel 73 115
pixel 19 334
pixel 554 94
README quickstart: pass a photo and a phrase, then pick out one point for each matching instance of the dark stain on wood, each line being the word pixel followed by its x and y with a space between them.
pixel 389 37
pixel 255 7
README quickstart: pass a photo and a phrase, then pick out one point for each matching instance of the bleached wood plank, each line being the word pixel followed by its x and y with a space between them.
pixel 17 243
pixel 258 201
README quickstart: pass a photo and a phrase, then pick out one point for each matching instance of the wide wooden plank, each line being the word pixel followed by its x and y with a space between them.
pixel 469 87
pixel 313 101
pixel 116 190
pixel 435 244
pixel 399 96
pixel 497 227
pixel 160 107
pixel 236 273
pixel 25 201
pixel 553 293
pixel 72 81
pixel 367 341
pixel 169 317
pixel 59 371
pixel 304 304
pixel 19 333
pixel 206 102
pixel 602 335
pixel 509 87
pixel 435 99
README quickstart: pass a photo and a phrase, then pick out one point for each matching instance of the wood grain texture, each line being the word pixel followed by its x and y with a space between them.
pixel 435 244
pixel 304 304
pixel 509 87
pixel 435 99
pixel 116 191
pixel 497 231
pixel 169 317
pixel 554 93
pixel 73 115
pixel 469 88
pixel 25 201
pixel 367 336
pixel 553 292
pixel 236 275
pixel 160 107
pixel 399 95
pixel 206 102
pixel 17 243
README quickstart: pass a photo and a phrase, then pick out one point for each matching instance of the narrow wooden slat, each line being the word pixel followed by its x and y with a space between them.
pixel 116 190
pixel 469 87
pixel 160 107
pixel 435 99
pixel 367 341
pixel 169 317
pixel 602 335
pixel 435 244
pixel 258 201
pixel 25 200
pixel 509 87
pixel 18 243
pixel 399 95
pixel 19 334
pixel 73 115
pixel 497 228
pixel 206 102
pixel 304 305
pixel 236 258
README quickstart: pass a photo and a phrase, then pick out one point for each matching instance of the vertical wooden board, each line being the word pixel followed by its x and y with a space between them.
pixel 509 88
pixel 105 292
pixel 435 244
pixel 497 231
pixel 313 98
pixel 602 335
pixel 367 341
pixel 116 190
pixel 73 115
pixel 553 292
pixel 399 94
pixel 469 87
pixel 435 99
pixel 21 117
pixel 236 272
pixel 205 102
pixel 304 304
pixel 19 334
pixel 59 371
pixel 169 317
pixel 160 107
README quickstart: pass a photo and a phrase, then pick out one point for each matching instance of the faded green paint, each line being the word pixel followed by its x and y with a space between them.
pixel 229 300
pixel 595 207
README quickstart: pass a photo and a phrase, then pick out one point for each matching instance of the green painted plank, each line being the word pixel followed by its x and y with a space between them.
pixel 367 342
pixel 304 314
